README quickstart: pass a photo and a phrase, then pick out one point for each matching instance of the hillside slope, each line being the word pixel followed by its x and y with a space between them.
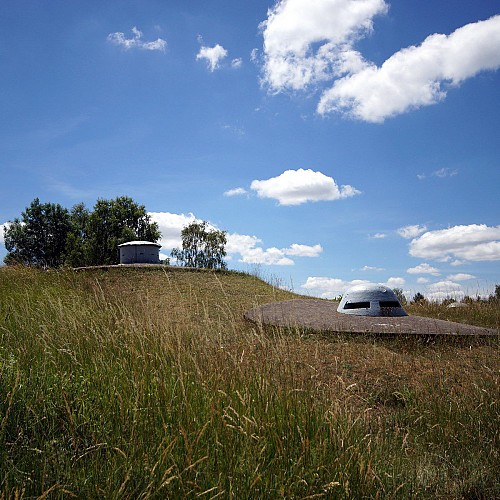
pixel 147 382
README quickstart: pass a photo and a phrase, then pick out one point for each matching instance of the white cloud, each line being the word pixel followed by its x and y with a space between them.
pixel 441 173
pixel 254 55
pixel 460 277
pixel 212 55
pixel 237 63
pixel 235 192
pixel 409 232
pixel 379 236
pixel 422 280
pixel 118 38
pixel 475 242
pixel 164 256
pixel 170 226
pixel 328 288
pixel 269 256
pixel 295 27
pixel 294 187
pixel 251 253
pixel 416 76
pixel 445 290
pixel 2 228
pixel 303 250
pixel 241 243
pixel 372 268
pixel 423 268
pixel 248 247
pixel 444 286
pixel 443 295
pixel 445 172
pixel 395 282
pixel 310 43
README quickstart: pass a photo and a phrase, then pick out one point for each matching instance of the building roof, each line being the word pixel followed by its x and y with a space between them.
pixel 138 243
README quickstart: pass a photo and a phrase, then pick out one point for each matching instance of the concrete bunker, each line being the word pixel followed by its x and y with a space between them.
pixel 371 300
pixel 139 252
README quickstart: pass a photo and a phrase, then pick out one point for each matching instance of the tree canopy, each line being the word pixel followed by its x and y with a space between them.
pixel 202 247
pixel 48 235
pixel 38 238
pixel 111 223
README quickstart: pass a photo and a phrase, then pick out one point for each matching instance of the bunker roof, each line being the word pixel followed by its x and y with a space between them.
pixel 143 243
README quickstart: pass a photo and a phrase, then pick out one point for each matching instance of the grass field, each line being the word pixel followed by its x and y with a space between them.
pixel 147 382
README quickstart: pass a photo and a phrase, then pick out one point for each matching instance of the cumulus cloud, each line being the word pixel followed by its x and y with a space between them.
pixel 475 242
pixel 460 277
pixel 136 41
pixel 212 55
pixel 313 43
pixel 416 76
pixel 170 226
pixel 251 253
pixel 444 295
pixel 409 232
pixel 395 282
pixel 422 280
pixel 235 192
pixel 423 268
pixel 445 290
pixel 248 247
pixel 304 250
pixel 294 187
pixel 308 42
pixel 379 236
pixel 329 288
pixel 446 285
pixel 269 256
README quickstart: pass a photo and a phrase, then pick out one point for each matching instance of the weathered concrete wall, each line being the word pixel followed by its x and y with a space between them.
pixel 139 254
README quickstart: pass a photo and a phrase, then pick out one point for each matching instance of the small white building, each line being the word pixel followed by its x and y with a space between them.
pixel 139 252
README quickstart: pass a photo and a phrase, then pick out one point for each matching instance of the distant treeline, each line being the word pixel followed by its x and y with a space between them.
pixel 49 235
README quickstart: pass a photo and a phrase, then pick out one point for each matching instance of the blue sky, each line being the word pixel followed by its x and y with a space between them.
pixel 335 140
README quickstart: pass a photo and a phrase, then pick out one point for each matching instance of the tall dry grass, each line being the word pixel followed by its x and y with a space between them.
pixel 137 383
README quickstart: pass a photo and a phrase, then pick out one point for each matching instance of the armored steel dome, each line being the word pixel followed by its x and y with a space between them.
pixel 370 300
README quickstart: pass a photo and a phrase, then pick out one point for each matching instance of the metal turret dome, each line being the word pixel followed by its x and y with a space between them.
pixel 370 300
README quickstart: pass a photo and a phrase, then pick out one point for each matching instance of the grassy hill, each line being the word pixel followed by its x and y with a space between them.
pixel 147 382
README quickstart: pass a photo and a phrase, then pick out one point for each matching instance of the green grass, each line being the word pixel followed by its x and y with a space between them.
pixel 138 383
pixel 480 313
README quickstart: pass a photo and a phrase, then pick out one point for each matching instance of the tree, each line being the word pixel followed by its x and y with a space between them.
pixel 39 237
pixel 111 223
pixel 201 247
pixel 400 295
pixel 47 235
pixel 77 236
pixel 418 298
